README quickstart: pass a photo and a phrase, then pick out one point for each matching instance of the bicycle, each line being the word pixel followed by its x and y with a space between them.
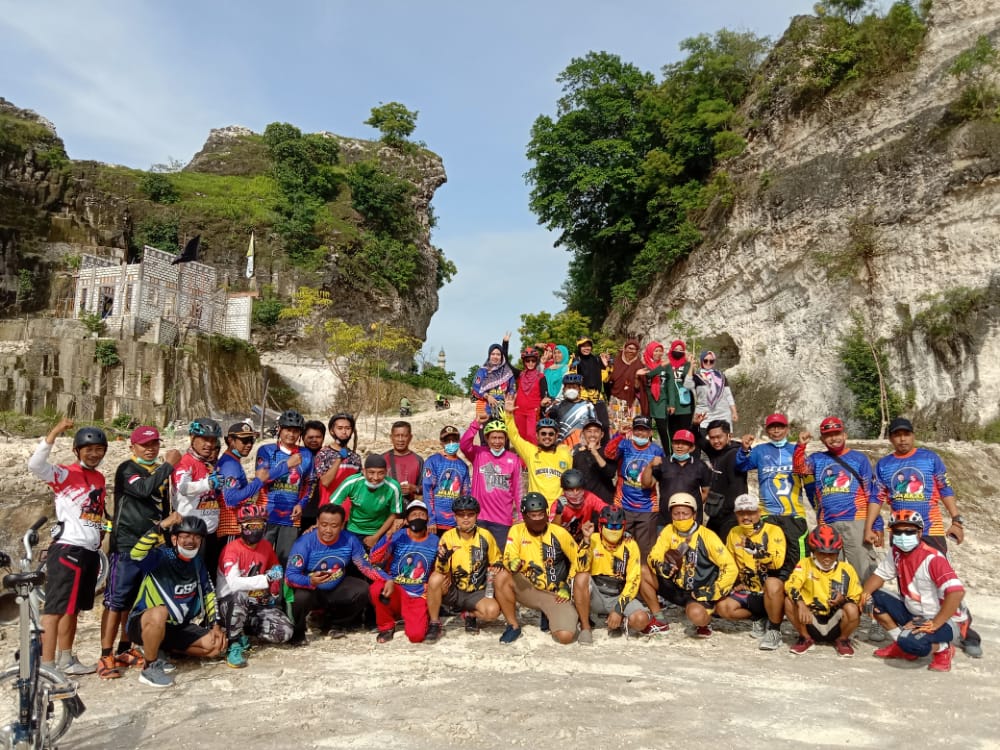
pixel 37 705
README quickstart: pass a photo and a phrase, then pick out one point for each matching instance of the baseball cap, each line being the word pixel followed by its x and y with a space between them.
pixel 593 423
pixel 415 505
pixel 900 423
pixel 776 418
pixel 643 422
pixel 449 429
pixel 684 436
pixel 144 434
pixel 241 429
pixel 745 502
pixel 831 424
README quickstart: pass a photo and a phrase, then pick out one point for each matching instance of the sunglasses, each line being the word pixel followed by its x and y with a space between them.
pixel 255 526
pixel 709 361
pixel 614 526
pixel 547 433
pixel 906 532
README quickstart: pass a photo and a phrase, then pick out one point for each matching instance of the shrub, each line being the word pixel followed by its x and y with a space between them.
pixel 106 354
pixel 158 188
pixel 866 378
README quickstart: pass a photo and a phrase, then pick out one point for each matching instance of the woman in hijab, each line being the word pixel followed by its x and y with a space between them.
pixel 712 396
pixel 680 400
pixel 532 394
pixel 494 381
pixel 556 369
pixel 594 371
pixel 621 382
pixel 656 376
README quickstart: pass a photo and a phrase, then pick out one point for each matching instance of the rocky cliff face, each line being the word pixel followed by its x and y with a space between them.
pixel 885 212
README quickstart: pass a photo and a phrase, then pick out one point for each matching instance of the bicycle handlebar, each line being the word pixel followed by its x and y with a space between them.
pixel 30 538
pixel 39 523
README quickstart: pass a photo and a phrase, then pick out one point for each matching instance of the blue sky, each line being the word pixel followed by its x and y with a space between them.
pixel 134 83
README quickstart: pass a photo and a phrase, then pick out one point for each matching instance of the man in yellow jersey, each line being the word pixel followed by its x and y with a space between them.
pixel 759 593
pixel 539 561
pixel 546 461
pixel 609 577
pixel 689 566
pixel 467 560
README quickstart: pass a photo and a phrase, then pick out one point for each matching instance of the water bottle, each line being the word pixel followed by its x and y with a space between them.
pixel 489 583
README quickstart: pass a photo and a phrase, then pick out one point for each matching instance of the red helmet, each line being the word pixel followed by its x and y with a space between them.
pixel 529 352
pixel 905 515
pixel 825 539
pixel 249 513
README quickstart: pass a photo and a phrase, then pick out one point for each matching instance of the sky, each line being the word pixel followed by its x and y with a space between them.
pixel 136 83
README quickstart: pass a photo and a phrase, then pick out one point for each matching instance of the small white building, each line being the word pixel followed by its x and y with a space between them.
pixel 155 298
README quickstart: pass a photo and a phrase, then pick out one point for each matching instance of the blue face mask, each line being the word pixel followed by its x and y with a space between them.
pixel 640 441
pixel 498 453
pixel 680 456
pixel 451 448
pixel 780 443
pixel 905 542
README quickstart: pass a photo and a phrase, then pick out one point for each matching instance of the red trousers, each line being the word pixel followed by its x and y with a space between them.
pixel 525 420
pixel 413 610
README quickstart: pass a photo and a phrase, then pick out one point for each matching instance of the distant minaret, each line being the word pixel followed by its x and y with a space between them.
pixel 441 359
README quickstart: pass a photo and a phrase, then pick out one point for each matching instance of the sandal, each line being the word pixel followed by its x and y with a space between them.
pixel 107 669
pixel 384 636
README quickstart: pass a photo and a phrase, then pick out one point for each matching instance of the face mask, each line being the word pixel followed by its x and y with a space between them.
pixel 536 527
pixel 824 568
pixel 640 441
pixel 612 536
pixel 680 456
pixel 498 453
pixel 451 448
pixel 252 536
pixel 574 503
pixel 780 443
pixel 418 525
pixel 905 542
pixel 186 554
pixel 571 393
pixel 374 485
pixel 144 462
pixel 684 526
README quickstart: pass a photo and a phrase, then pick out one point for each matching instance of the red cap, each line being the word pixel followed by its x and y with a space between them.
pixel 684 436
pixel 143 435
pixel 831 424
pixel 776 418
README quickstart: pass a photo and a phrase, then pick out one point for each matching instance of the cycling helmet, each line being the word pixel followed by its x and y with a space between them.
pixel 89 436
pixel 684 499
pixel 205 427
pixel 529 352
pixel 190 525
pixel 573 378
pixel 494 425
pixel 906 516
pixel 249 513
pixel 547 422
pixel 341 415
pixel 293 419
pixel 534 501
pixel 825 539
pixel 611 515
pixel 465 502
pixel 571 479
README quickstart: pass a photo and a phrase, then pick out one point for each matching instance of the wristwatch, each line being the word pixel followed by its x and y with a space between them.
pixel 958 519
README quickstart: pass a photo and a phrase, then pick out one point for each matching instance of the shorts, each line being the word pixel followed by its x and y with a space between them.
pixel 826 627
pixel 604 604
pixel 751 601
pixel 70 579
pixel 175 637
pixel 642 527
pixel 676 595
pixel 562 615
pixel 124 579
pixel 456 600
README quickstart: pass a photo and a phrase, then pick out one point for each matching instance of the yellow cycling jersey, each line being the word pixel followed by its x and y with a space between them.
pixel 467 561
pixel 614 570
pixel 545 468
pixel 707 570
pixel 758 553
pixel 548 561
pixel 816 587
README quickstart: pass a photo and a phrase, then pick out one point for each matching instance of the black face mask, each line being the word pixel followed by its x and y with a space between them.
pixel 418 525
pixel 252 536
pixel 536 527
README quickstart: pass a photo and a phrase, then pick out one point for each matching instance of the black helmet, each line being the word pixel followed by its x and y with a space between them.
pixel 572 479
pixel 292 418
pixel 205 427
pixel 611 514
pixel 534 501
pixel 190 525
pixel 572 378
pixel 465 502
pixel 89 436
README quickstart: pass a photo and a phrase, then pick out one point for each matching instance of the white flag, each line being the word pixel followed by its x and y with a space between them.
pixel 250 257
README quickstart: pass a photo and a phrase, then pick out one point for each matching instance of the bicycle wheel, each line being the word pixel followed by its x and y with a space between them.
pixel 59 715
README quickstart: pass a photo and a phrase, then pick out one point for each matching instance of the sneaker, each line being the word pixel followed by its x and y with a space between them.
pixel 586 638
pixel 168 666
pixel 75 668
pixel 758 628
pixel 844 647
pixel 235 657
pixel 244 641
pixel 876 633
pixel 893 651
pixel 802 645
pixel 970 641
pixel 384 636
pixel 703 631
pixel 107 669
pixel 973 649
pixel 336 633
pixel 510 635
pixel 770 641
pixel 941 661
pixel 131 658
pixel 434 631
pixel 656 626
pixel 155 676
pixel 617 632
pixel 543 623
pixel 471 623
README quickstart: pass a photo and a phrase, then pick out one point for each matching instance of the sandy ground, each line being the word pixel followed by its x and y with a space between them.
pixel 664 691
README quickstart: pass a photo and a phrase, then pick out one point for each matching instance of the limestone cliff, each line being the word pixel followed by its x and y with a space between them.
pixel 884 210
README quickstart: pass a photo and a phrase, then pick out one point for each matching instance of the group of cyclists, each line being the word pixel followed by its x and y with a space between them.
pixel 554 498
